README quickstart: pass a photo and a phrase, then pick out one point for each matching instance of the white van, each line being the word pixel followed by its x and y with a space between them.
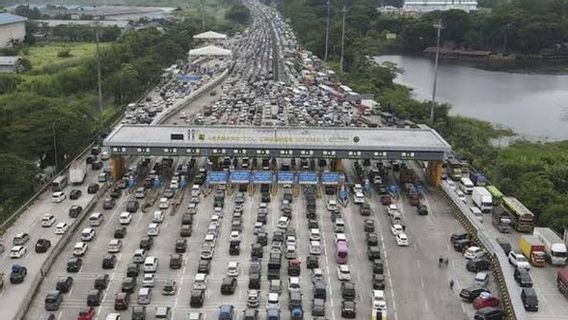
pixel 58 197
pixel 466 185
pixel 153 229
pixel 150 264
pixel 61 227
pixel 47 220
pixel 125 217
pixel 114 246
pixel 80 249
pixel 195 190
pixel 158 217
pixel 164 203
pixel 96 219
pixel 87 234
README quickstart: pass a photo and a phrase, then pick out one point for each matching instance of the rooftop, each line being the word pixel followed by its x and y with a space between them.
pixel 395 139
pixel 8 18
pixel 8 61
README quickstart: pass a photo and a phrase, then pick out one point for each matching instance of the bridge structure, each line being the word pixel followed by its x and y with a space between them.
pixel 331 143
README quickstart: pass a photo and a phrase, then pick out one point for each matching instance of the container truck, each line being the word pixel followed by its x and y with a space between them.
pixel 477 178
pixel 77 172
pixel 554 247
pixel 502 221
pixel 533 249
pixel 562 281
pixel 482 199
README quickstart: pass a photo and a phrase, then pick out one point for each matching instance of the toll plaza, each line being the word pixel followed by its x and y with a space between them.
pixel 331 144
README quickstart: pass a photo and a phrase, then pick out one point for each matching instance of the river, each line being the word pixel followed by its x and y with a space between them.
pixel 532 105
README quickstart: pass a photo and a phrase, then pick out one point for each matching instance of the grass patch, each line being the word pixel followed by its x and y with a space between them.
pixel 45 58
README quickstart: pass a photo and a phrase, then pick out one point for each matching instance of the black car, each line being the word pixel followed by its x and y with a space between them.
pixel 378 281
pixel 478 264
pixel 461 245
pixel 185 231
pixel 204 266
pixel 312 262
pixel 132 206
pixel 228 286
pixel 146 243
pixel 262 238
pixel 102 281
pixel 313 224
pixel 265 197
pixel 348 290
pixel 75 194
pixel 187 219
pixel 372 239
pixel 197 297
pixel 459 236
pixel 523 278
pixel 373 252
pixel 422 209
pixel 64 284
pixel 128 284
pixel 120 232
pixel 42 245
pixel 378 266
pixel 109 203
pixel 94 297
pixel 115 193
pixel 470 293
pixel 74 211
pixel 181 245
pixel 109 261
pixel 132 270
pixel 348 309
pixel 93 188
pixel 74 264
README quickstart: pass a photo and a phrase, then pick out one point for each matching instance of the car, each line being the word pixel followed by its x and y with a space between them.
pixel 114 246
pixel 176 261
pixel 523 278
pixel 17 252
pixel 373 252
pixel 185 231
pixel 461 195
pixel 187 218
pixel 343 272
pixel 113 316
pixel 128 284
pixel 158 217
pixel 74 211
pixel 283 223
pixel 109 203
pixel 47 220
pixel 312 262
pixel 378 281
pixel 125 218
pixel 132 206
pixel 204 266
pixel 422 210
pixel 206 252
pixel 181 245
pixel 348 309
pixel 200 281
pixel 18 274
pixel 233 269
pixel 153 229
pixel 518 260
pixel 315 235
pixel 228 285
pixel 163 312
pixel 146 243
pixel 317 275
pixel 473 252
pixel 148 280
pixel 315 248
pixel 396 229
pixel 235 236
pixel 484 300
pixel 120 232
pixel 64 284
pixel 401 240
pixel 74 264
pixel 468 294
pixel 369 225
pixel 102 281
pixel 196 298
pixel 253 300
pixel 93 188
pixel 86 314
pixel 94 297
pixel 372 239
pixel 58 197
pixel 42 245
pixel 121 301
pixel 75 194
pixel 478 264
pixel 481 279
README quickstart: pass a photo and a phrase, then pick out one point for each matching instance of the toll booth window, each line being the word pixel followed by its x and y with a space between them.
pixel 176 136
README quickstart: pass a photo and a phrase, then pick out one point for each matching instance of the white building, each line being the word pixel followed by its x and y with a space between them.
pixel 421 6
pixel 10 64
pixel 12 27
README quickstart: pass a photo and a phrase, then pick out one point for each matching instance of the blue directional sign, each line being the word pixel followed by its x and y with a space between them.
pixel 285 177
pixel 259 177
pixel 217 177
pixel 307 177
pixel 240 176
pixel 330 178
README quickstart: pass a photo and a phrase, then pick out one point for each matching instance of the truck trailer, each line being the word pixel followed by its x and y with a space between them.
pixel 78 172
pixel 533 249
pixel 562 281
pixel 554 247
pixel 482 199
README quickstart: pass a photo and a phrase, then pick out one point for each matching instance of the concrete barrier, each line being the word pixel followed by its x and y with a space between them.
pixel 57 248
pixel 510 293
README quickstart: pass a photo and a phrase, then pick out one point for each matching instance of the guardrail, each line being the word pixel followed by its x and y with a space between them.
pixel 166 115
pixel 57 248
pixel 510 293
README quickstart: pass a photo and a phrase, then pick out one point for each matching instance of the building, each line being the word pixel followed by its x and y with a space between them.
pixel 12 27
pixel 422 6
pixel 10 64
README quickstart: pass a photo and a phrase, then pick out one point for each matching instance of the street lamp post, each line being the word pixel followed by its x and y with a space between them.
pixel 438 26
pixel 342 38
pixel 326 33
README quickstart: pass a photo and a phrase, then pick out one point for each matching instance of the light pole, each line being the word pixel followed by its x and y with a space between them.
pixel 342 38
pixel 54 145
pixel 326 32
pixel 438 26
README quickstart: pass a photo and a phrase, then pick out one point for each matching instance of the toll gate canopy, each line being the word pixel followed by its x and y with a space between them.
pixel 421 143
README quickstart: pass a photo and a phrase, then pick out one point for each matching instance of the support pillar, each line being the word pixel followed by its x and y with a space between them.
pixel 338 165
pixel 434 173
pixel 117 167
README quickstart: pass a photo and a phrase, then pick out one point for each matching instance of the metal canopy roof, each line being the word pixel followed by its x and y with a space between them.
pixel 393 143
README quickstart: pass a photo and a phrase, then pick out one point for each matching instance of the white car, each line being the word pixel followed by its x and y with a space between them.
pixel 80 249
pixel 114 246
pixel 88 234
pixel 258 227
pixel 61 227
pixel 164 203
pixel 315 235
pixel 200 282
pixel 332 205
pixel 17 252
pixel 291 241
pixel 452 185
pixel 47 220
pixel 315 247
pixel 397 229
pixel 317 275
pixel 235 236
pixel 272 301
pixel 113 316
pixel 283 223
pixel 125 218
pixel 473 252
pixel 149 280
pixel 401 240
pixel 158 217
pixel 153 229
pixel 340 237
pixel 518 260
pixel 294 284
pixel 233 269
pixel 343 272
pixel 461 195
pixel 58 197
pixel 378 301
pixel 392 209
pixel 359 198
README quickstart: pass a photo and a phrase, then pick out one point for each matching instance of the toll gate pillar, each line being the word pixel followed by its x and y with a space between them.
pixel 117 164
pixel 338 165
pixel 434 172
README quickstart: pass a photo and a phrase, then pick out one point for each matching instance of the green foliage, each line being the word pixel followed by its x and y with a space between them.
pixel 238 14
pixel 28 12
pixel 15 185
pixel 64 53
pixel 9 82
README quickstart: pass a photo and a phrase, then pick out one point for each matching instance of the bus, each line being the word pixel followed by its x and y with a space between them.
pixel 495 194
pixel 341 252
pixel 59 183
pixel 522 218
pixel 454 168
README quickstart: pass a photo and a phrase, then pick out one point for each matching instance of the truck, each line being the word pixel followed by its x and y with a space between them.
pixel 502 221
pixel 533 249
pixel 562 281
pixel 554 247
pixel 78 172
pixel 482 199
pixel 477 178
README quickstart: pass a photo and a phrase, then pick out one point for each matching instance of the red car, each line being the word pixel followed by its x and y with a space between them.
pixel 485 299
pixel 86 314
